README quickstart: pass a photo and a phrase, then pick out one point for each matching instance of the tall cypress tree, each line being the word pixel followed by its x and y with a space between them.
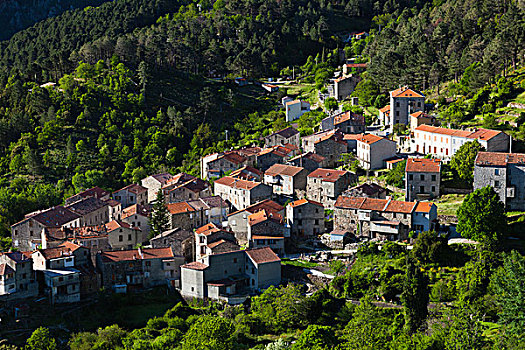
pixel 159 220
pixel 415 296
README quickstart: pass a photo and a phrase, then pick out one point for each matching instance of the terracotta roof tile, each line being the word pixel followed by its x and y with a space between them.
pixel 195 266
pixel 282 169
pixel 262 255
pixel 370 139
pixel 423 165
pixel 178 208
pixel 348 115
pixel 385 109
pixel 499 158
pixel 137 254
pixel 406 92
pixel 262 216
pixel 329 175
pixel 237 183
pixel 400 207
pixel 289 131
pixel 133 188
pixel 303 201
pixel 424 207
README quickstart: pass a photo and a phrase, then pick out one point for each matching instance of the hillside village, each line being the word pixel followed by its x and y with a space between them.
pixel 221 236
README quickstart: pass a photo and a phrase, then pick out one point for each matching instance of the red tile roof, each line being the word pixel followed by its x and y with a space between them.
pixel 282 169
pixel 348 115
pixel 387 205
pixel 330 175
pixel 420 115
pixel 356 65
pixel 370 139
pixel 262 216
pixel 133 188
pixel 178 208
pixel 479 134
pixel 310 155
pixel 63 250
pixel 424 207
pixel 423 165
pixel 207 229
pixel 195 266
pixel 136 209
pixel 237 183
pixel 499 158
pixel 115 224
pixel 262 255
pixel 347 137
pixel 303 201
pixel 243 172
pixel 267 237
pixel 385 109
pixel 400 207
pixel 137 254
pixel 406 92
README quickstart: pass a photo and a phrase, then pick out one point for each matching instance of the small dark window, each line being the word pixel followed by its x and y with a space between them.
pixel 421 189
pixel 411 177
pixel 422 177
pixel 433 177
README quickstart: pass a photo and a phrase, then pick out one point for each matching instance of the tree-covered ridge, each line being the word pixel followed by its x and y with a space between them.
pixel 42 52
pixel 16 15
pixel 439 42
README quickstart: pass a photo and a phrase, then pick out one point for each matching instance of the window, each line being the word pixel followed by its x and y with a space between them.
pixel 422 176
pixel 496 183
pixel 148 263
pixel 433 188
pixel 496 171
pixel 120 238
pixel 234 260
pixel 129 237
pixel 397 104
pixel 433 177
pixel 120 230
pixel 421 189
pixel 60 279
pixel 411 177
pixel 316 222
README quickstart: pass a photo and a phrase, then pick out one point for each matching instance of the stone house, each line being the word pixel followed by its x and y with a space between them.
pixel 130 195
pixel 421 118
pixel 114 209
pixel 176 181
pixel 384 115
pixel 305 218
pixel 286 180
pixel 211 209
pixel 190 190
pixel 136 269
pixel 325 185
pixel 383 219
pixel 266 229
pixel 370 190
pixel 295 109
pixel 422 178
pixel 328 144
pixel 247 173
pixel 26 233
pixel 92 211
pixel 347 122
pixel 310 161
pixel 181 242
pixel 238 221
pixel 444 143
pixel 154 183
pixel 217 164
pixel 373 151
pixel 505 172
pixel 17 277
pixel 403 102
pixel 231 276
pixel 66 272
pixel 282 137
pixel 271 156
pixel 122 236
pixel 241 193
pixel 138 216
pixel 343 87
pixel 95 192
pixel 182 215
pixel 211 239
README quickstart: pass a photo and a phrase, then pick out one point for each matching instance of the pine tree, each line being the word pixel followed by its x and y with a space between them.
pixel 159 221
pixel 415 296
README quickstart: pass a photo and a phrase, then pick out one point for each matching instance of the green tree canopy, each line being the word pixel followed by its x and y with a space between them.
pixel 415 296
pixel 316 338
pixel 463 160
pixel 159 220
pixel 209 332
pixel 41 339
pixel 481 216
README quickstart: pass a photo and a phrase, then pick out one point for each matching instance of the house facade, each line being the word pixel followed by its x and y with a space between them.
pixel 373 151
pixel 282 137
pixel 154 183
pixel 444 143
pixel 305 217
pixel 505 172
pixel 348 122
pixel 325 185
pixel 122 236
pixel 17 277
pixel 130 195
pixel 218 164
pixel 139 268
pixel 403 102
pixel 422 178
pixel 231 276
pixel 181 242
pixel 310 161
pixel 383 219
pixel 295 109
pixel 189 190
pixel 421 118
pixel 241 193
pixel 266 229
pixel 286 179
pixel 92 211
